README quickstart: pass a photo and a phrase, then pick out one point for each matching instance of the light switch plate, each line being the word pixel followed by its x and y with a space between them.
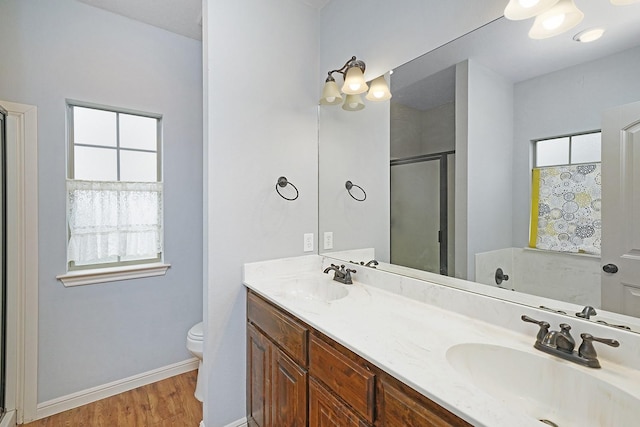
pixel 308 242
pixel 328 240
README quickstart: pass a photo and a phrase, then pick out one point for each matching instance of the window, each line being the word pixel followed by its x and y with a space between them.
pixel 114 187
pixel 568 150
pixel 566 194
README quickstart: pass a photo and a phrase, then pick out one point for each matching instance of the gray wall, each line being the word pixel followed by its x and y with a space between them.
pixel 415 132
pixel 52 50
pixel 261 123
pixel 579 96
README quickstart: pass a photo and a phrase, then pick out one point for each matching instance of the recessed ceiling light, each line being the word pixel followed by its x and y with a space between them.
pixel 589 35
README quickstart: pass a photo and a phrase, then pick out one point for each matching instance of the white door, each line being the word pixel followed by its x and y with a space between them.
pixel 621 209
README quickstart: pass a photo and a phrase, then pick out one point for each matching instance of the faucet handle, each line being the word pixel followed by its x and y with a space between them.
pixel 544 326
pixel 347 276
pixel 587 312
pixel 587 350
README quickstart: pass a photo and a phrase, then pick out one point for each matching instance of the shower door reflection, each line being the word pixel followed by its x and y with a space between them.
pixel 422 212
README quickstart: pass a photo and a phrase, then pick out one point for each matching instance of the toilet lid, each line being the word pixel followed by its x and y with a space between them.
pixel 196 332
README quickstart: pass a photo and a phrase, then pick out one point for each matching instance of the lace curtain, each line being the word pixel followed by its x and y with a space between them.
pixel 566 208
pixel 112 221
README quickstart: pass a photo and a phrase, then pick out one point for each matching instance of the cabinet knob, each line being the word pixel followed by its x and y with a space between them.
pixel 610 268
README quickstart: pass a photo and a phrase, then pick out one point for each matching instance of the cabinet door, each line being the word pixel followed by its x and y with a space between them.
pixel 399 405
pixel 259 355
pixel 289 392
pixel 325 410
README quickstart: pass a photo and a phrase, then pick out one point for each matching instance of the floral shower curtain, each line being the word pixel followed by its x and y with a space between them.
pixel 566 208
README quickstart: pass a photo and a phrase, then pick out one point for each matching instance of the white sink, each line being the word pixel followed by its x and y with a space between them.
pixel 544 388
pixel 322 290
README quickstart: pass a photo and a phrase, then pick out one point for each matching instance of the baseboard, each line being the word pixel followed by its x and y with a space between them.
pixel 84 397
pixel 8 419
pixel 239 423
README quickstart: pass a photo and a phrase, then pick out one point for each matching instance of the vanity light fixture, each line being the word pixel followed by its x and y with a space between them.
pixel 589 35
pixel 354 85
pixel 525 9
pixel 563 16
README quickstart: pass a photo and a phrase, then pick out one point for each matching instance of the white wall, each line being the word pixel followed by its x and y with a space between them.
pixel 564 102
pixel 486 182
pixel 262 77
pixel 559 276
pixel 52 50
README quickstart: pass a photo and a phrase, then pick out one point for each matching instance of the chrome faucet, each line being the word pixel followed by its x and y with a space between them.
pixel 340 274
pixel 587 312
pixel 561 343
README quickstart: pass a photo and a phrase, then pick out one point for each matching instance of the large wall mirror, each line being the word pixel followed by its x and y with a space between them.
pixel 447 163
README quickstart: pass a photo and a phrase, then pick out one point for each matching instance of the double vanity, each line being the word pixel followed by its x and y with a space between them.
pixel 396 351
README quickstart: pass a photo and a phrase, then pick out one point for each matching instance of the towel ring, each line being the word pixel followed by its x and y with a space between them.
pixel 349 185
pixel 283 182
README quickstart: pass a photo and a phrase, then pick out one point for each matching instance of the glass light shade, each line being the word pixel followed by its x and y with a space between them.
pixel 379 90
pixel 354 83
pixel 525 9
pixel 353 103
pixel 623 2
pixel 331 94
pixel 560 18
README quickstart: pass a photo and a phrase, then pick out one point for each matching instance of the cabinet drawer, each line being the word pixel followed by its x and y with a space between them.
pixel 399 405
pixel 351 381
pixel 287 333
pixel 327 411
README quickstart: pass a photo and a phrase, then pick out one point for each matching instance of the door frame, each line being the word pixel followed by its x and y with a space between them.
pixel 22 280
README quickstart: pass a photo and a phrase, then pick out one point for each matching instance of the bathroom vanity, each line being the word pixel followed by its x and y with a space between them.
pixel 286 359
pixel 399 352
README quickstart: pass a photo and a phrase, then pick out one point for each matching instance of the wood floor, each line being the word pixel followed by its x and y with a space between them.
pixel 168 403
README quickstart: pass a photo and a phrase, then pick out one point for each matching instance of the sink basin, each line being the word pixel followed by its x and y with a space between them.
pixel 312 290
pixel 543 388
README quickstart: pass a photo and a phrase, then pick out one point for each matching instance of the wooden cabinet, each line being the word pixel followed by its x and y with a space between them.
pixel 399 405
pixel 276 383
pixel 325 410
pixel 298 377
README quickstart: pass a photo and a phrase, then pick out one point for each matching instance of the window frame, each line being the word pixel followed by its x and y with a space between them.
pixel 119 265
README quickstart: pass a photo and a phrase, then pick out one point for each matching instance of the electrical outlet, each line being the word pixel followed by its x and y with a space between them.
pixel 308 242
pixel 328 239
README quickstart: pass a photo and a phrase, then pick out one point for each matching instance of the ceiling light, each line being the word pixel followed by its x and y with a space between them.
pixel 524 9
pixel 560 18
pixel 379 90
pixel 354 85
pixel 589 35
pixel 353 103
pixel 623 2
pixel 330 93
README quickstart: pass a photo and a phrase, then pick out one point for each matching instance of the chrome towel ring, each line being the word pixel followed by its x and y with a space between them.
pixel 349 185
pixel 283 182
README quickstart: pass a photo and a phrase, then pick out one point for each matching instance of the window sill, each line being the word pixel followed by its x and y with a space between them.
pixel 574 254
pixel 112 274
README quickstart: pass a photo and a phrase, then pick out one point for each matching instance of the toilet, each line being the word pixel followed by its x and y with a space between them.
pixel 195 346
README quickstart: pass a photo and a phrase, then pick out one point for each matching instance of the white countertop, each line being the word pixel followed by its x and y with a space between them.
pixel 408 339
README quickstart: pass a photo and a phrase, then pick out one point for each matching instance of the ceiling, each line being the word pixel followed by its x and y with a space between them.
pixel 182 17
pixel 505 47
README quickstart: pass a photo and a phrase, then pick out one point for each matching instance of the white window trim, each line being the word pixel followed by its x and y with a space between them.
pixel 112 274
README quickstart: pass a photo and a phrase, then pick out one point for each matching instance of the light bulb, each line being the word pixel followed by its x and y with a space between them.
pixel 330 99
pixel 354 86
pixel 378 94
pixel 553 22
